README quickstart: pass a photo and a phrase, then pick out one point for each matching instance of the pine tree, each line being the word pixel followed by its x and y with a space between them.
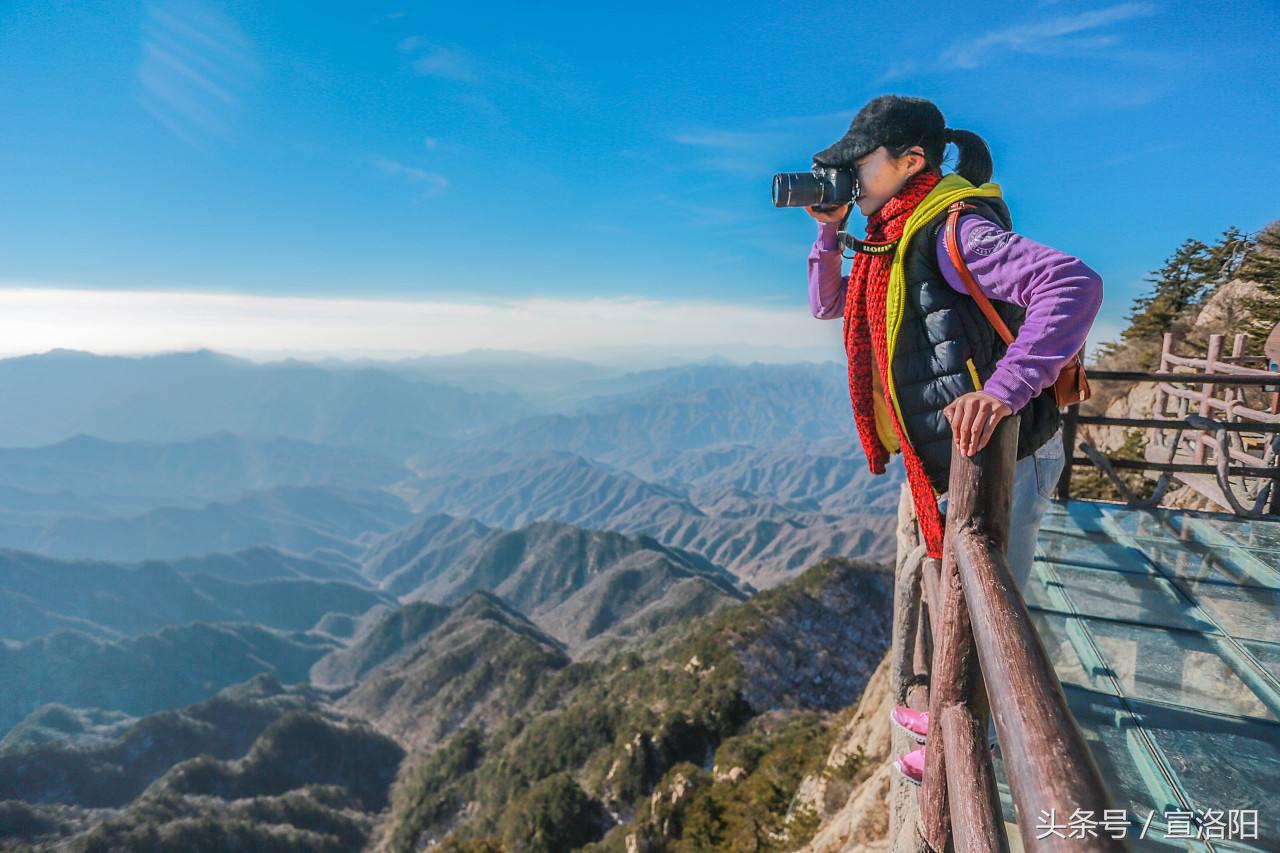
pixel 1263 263
pixel 1262 266
pixel 1175 287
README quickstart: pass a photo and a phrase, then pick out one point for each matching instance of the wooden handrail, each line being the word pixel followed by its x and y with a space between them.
pixel 1259 378
pixel 1182 468
pixel 1267 427
pixel 987 649
pixel 1221 405
pixel 1193 394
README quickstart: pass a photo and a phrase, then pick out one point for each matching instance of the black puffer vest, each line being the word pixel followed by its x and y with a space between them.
pixel 943 341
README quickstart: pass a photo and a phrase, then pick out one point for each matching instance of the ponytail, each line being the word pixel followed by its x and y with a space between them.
pixel 975 158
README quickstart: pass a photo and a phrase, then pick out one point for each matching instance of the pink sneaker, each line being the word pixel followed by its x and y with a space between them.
pixel 914 723
pixel 911 766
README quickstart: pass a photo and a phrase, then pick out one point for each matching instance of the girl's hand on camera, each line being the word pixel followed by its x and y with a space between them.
pixel 829 216
pixel 973 418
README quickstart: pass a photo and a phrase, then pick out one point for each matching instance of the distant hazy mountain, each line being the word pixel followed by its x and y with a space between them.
pixel 392 633
pixel 571 582
pixel 633 386
pixel 40 594
pixel 262 562
pixel 183 396
pixel 693 408
pixel 574 583
pixel 174 666
pixel 476 665
pixel 401 560
pixel 297 518
pixel 828 475
pixel 757 539
pixel 511 489
pixel 111 477
pixel 543 377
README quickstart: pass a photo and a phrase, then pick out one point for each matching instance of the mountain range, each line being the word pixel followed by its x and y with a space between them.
pixel 329 606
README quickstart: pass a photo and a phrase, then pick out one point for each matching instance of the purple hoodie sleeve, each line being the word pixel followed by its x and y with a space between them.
pixel 1060 293
pixel 826 284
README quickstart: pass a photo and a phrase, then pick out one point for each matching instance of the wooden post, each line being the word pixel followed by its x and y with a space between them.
pixel 959 801
pixel 1237 350
pixel 1215 350
pixel 1047 760
pixel 1166 347
pixel 908 667
pixel 1237 347
pixel 1069 423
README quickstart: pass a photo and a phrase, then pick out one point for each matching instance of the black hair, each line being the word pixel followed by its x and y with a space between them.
pixel 975 157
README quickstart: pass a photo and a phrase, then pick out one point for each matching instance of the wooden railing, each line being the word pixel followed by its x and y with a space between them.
pixel 1203 430
pixel 987 657
pixel 964 646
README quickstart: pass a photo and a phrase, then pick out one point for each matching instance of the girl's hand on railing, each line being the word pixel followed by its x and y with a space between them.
pixel 973 418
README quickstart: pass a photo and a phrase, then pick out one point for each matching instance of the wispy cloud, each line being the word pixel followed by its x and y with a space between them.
pixel 430 181
pixel 747 152
pixel 1055 36
pixel 195 70
pixel 527 68
pixel 36 319
pixel 409 44
pixel 761 148
pixel 1064 35
pixel 451 63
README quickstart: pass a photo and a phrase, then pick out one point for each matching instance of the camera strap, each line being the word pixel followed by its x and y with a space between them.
pixel 865 247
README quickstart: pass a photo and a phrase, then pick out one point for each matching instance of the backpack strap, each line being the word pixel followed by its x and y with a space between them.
pixel 953 249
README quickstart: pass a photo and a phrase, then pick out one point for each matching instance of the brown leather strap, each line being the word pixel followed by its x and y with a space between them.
pixel 953 249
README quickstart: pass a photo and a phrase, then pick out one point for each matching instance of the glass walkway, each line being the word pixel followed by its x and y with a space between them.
pixel 1164 627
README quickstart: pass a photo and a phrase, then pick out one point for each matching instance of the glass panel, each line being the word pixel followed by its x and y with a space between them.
pixel 1072 516
pixel 1222 764
pixel 1244 612
pixel 1070 653
pixel 1176 667
pixel 1199 562
pixel 1267 655
pixel 1109 730
pixel 1221 740
pixel 1271 559
pixel 1094 550
pixel 1139 522
pixel 1119 595
pixel 1254 534
pixel 1036 594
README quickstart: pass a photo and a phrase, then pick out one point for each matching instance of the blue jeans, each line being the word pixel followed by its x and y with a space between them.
pixel 1034 479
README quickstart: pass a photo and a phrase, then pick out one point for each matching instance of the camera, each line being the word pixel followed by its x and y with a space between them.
pixel 825 188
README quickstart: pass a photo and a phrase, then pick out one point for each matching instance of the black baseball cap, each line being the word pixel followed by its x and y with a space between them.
pixel 887 120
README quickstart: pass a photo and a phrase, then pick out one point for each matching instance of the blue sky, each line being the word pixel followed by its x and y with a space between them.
pixel 457 152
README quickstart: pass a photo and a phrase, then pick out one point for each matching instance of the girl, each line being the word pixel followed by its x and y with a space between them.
pixel 926 368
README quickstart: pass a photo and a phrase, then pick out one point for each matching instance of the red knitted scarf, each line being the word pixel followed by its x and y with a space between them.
pixel 864 328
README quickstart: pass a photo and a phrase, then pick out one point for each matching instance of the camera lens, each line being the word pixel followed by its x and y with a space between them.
pixel 797 189
pixel 824 185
